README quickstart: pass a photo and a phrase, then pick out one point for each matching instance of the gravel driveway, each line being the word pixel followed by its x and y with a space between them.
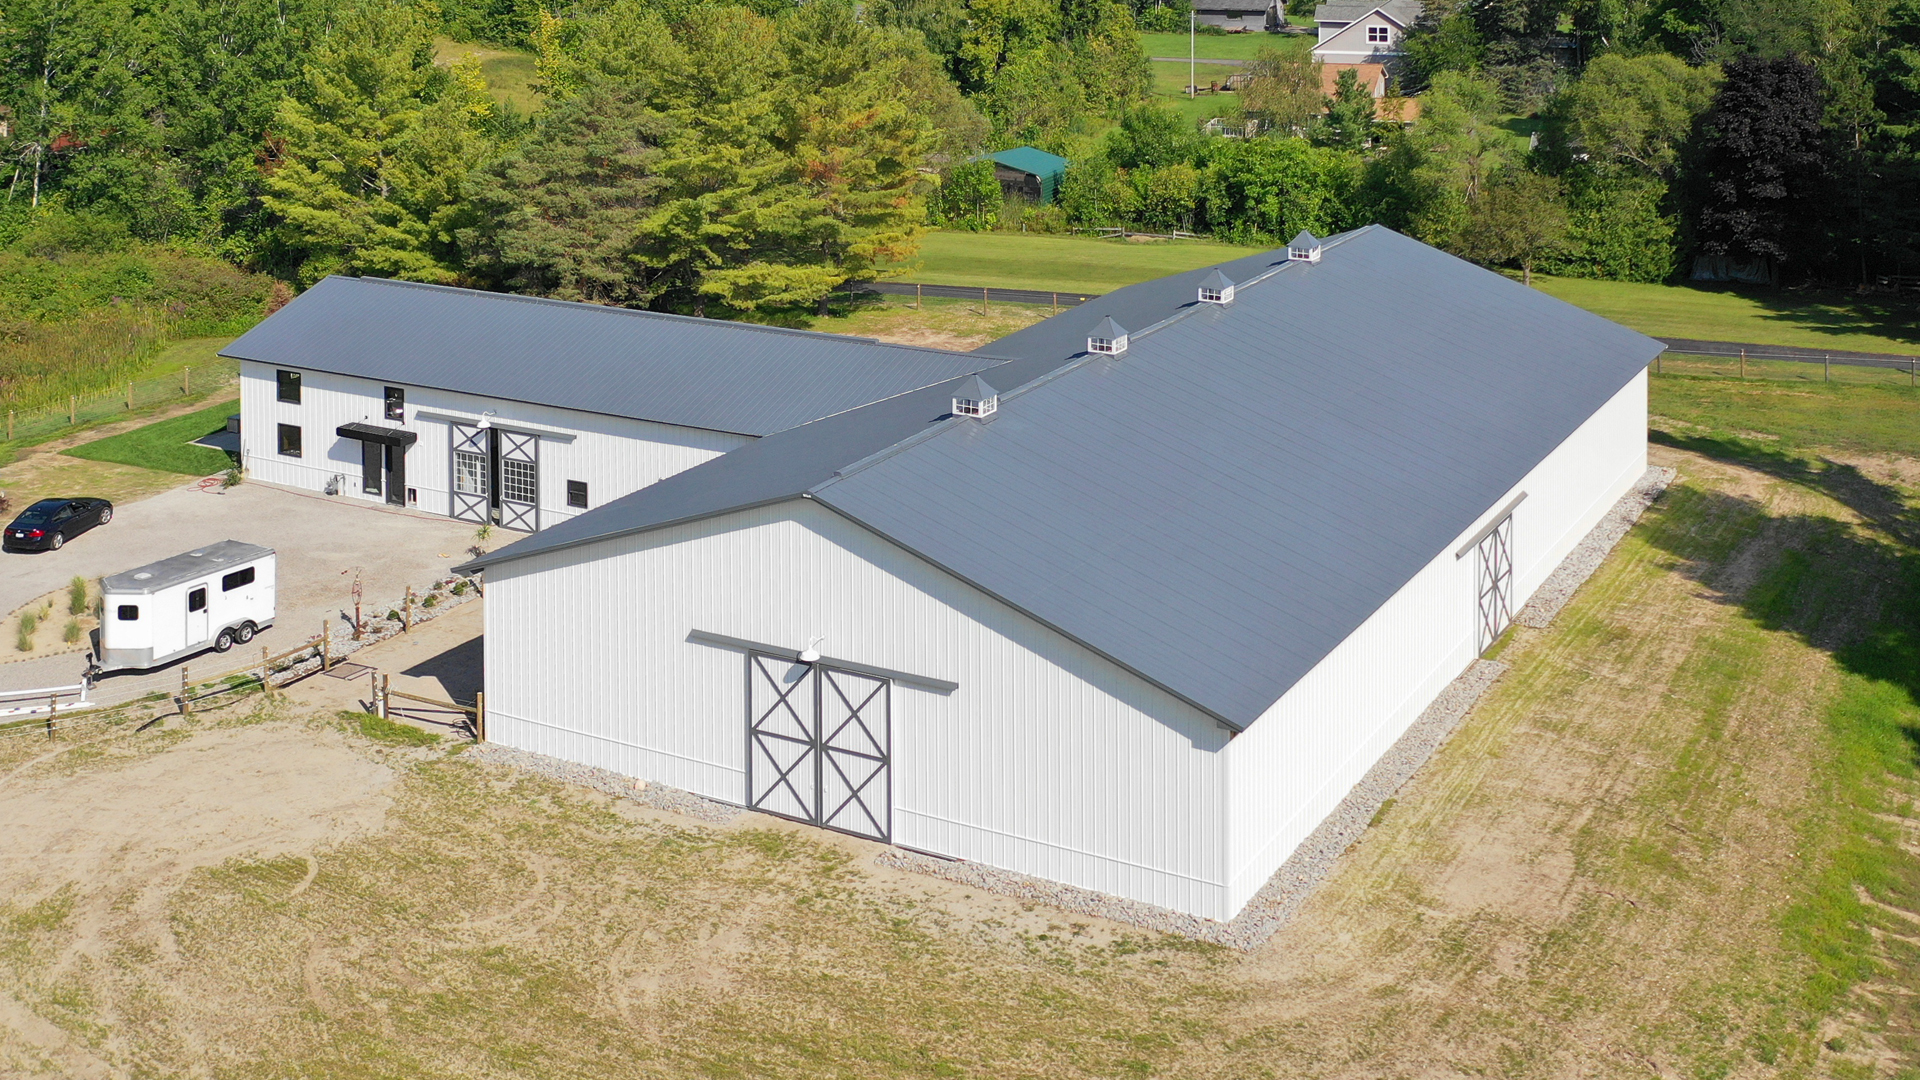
pixel 320 542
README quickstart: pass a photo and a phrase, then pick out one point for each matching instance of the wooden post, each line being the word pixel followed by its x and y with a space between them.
pixel 480 716
pixel 263 667
pixel 373 688
pixel 917 298
pixel 1910 380
pixel 1743 363
pixel 1826 368
pixel 9 425
pixel 186 707
pixel 73 408
pixel 186 380
pixel 406 612
pixel 386 699
pixel 1056 303
pixel 53 706
pixel 983 300
pixel 129 395
pixel 326 646
pixel 1656 362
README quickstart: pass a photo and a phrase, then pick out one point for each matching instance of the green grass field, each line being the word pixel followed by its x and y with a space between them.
pixel 1221 46
pixel 1064 263
pixel 167 445
pixel 1170 89
pixel 509 72
pixel 1741 313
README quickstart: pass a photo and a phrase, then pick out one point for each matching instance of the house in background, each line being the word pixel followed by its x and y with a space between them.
pixel 1242 15
pixel 1032 174
pixel 1133 610
pixel 1364 32
pixel 1378 81
pixel 523 412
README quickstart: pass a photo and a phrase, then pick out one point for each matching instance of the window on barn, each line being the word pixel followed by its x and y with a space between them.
pixel 396 403
pixel 129 613
pixel 236 579
pixel 517 481
pixel 289 386
pixel 290 440
pixel 1377 34
pixel 577 493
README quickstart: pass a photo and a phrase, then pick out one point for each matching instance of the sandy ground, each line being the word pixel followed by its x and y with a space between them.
pixel 1588 881
pixel 321 543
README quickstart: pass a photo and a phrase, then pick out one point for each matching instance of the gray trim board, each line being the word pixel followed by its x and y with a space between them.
pixel 925 682
pixel 1487 530
pixel 518 429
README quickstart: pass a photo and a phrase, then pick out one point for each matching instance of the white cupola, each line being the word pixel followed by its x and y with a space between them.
pixel 1216 289
pixel 1303 248
pixel 975 398
pixel 1109 337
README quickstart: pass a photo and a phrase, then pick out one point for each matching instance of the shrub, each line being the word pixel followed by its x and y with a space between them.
pixel 460 587
pixel 77 596
pixel 232 478
pixel 430 601
pixel 393 615
pixel 386 731
pixel 72 633
pixel 24 639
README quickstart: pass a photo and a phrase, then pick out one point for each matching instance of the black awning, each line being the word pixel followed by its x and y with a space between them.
pixel 368 433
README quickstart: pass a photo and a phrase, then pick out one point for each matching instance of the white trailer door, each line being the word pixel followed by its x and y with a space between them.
pixel 199 619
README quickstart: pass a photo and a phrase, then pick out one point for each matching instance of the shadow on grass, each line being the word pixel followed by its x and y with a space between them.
pixel 1851 592
pixel 1837 313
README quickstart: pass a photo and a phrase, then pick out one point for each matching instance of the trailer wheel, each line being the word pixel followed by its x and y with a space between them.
pixel 243 633
pixel 224 641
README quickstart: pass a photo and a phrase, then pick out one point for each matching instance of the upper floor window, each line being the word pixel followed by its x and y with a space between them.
pixel 1378 35
pixel 396 403
pixel 289 386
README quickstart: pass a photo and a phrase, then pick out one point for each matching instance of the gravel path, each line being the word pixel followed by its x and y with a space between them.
pixel 1294 882
pixel 658 796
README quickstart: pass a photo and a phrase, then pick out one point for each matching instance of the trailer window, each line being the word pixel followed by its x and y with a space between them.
pixel 129 612
pixel 577 493
pixel 236 579
pixel 289 386
pixel 396 403
pixel 197 600
pixel 290 440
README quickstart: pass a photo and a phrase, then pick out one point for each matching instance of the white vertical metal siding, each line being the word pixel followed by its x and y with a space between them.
pixel 1295 764
pixel 1048 759
pixel 614 455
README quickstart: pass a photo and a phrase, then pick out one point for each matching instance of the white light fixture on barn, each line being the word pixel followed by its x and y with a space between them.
pixel 486 419
pixel 811 655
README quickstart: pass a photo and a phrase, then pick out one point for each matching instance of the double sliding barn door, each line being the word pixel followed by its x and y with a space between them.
pixel 819 745
pixel 496 477
pixel 1494 555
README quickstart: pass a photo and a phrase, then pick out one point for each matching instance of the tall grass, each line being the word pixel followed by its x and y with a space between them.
pixel 43 363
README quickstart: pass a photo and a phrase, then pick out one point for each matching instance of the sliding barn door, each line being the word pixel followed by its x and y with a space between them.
pixel 820 745
pixel 519 480
pixel 472 484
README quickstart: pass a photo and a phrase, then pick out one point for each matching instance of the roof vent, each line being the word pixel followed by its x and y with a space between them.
pixel 1109 337
pixel 142 576
pixel 975 398
pixel 1216 289
pixel 1303 248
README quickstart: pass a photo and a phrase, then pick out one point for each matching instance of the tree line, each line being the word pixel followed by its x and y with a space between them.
pixel 690 153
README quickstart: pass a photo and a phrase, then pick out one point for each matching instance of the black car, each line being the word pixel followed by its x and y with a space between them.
pixel 50 523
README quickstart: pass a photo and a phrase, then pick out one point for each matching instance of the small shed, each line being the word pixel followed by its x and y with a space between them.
pixel 1032 174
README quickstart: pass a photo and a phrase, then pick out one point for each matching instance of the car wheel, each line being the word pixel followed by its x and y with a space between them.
pixel 244 634
pixel 224 641
pixel 59 541
pixel 106 515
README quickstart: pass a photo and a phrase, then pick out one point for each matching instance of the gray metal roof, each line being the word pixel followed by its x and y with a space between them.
pixel 1219 507
pixel 185 567
pixel 701 373
pixel 1404 12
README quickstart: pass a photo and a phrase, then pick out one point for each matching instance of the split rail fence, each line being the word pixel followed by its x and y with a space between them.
pixel 40 422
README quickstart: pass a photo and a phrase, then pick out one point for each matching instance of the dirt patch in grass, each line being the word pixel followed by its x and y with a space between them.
pixel 1636 857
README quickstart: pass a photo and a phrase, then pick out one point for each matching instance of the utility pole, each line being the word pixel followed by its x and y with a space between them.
pixel 1192 19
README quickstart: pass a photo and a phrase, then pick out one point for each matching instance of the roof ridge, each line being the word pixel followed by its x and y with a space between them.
pixel 665 316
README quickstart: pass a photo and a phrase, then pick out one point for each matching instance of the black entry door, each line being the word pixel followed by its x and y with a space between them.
pixel 373 467
pixel 383 470
pixel 396 469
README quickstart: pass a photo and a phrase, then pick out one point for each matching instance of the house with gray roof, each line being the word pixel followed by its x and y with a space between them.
pixel 1366 32
pixel 523 412
pixel 1132 608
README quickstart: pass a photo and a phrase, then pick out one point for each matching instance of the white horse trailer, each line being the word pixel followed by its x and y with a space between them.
pixel 208 598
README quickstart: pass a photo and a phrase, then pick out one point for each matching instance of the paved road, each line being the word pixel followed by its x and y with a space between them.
pixel 1694 347
pixel 319 541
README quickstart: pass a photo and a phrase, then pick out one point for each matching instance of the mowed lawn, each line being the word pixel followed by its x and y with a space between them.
pixel 1222 46
pixel 1065 264
pixel 1676 839
pixel 168 444
pixel 1816 320
pixel 509 72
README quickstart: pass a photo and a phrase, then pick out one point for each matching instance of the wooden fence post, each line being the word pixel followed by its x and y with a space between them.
pixel 406 612
pixel 1056 303
pixel 129 395
pixel 1743 363
pixel 480 716
pixel 53 706
pixel 9 425
pixel 984 301
pixel 1826 368
pixel 73 408
pixel 917 305
pixel 326 647
pixel 263 667
pixel 186 380
pixel 386 698
pixel 186 707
